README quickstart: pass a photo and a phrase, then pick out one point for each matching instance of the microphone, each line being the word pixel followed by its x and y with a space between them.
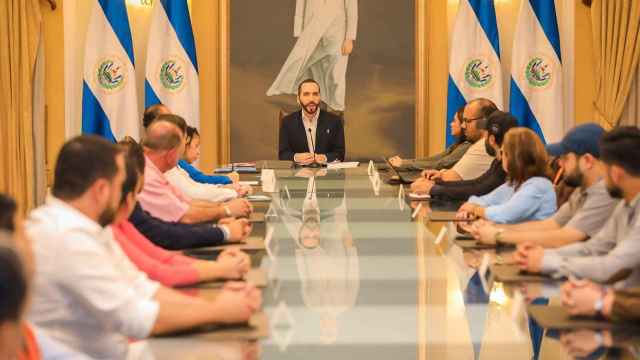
pixel 314 164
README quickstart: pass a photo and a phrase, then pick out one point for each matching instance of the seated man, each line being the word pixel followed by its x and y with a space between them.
pixel 475 161
pixel 87 294
pixel 16 269
pixel 498 123
pixel 179 236
pixel 613 254
pixel 588 208
pixel 181 179
pixel 445 159
pixel 170 268
pixel 311 135
pixel 164 145
pixel 150 114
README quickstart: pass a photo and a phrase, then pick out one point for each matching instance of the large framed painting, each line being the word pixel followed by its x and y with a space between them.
pixel 362 53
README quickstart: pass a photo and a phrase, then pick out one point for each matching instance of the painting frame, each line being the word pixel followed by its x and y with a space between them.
pixel 223 84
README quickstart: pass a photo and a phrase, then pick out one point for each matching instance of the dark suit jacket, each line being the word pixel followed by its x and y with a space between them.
pixel 173 235
pixel 329 137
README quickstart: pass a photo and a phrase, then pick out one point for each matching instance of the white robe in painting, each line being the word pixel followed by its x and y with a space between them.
pixel 321 27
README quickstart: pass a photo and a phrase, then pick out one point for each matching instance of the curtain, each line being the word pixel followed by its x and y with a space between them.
pixel 616 43
pixel 20 30
pixel 39 125
pixel 631 113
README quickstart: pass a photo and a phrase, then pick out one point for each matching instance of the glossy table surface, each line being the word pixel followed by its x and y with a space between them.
pixel 353 276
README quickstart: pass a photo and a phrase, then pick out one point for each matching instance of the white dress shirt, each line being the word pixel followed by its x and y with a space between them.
pixel 180 178
pixel 313 125
pixel 86 294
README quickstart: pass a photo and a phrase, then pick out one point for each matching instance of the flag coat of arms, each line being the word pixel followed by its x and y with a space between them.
pixel 109 101
pixel 536 71
pixel 474 61
pixel 172 66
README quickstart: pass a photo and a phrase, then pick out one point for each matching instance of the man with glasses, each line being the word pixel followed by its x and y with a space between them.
pixel 476 161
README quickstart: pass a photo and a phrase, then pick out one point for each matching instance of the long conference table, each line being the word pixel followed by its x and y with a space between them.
pixel 351 275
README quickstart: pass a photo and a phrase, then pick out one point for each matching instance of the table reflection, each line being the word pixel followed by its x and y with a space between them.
pixel 325 254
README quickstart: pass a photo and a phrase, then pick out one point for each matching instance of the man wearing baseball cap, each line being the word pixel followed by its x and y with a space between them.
pixel 586 211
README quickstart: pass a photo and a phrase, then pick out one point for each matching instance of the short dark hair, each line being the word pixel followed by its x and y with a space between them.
pixel 150 114
pixel 526 156
pixel 487 107
pixel 498 123
pixel 81 162
pixel 307 81
pixel 13 281
pixel 191 132
pixel 8 209
pixel 134 165
pixel 621 146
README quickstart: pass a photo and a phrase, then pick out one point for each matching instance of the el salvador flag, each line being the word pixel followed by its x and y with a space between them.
pixel 172 66
pixel 109 102
pixel 536 70
pixel 474 61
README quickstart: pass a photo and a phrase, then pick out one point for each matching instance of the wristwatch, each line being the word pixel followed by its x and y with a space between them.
pixel 599 304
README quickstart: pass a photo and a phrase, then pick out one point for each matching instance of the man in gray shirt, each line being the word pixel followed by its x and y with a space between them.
pixel 613 254
pixel 586 211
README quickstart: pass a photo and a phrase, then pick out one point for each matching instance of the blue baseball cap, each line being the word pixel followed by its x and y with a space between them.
pixel 583 139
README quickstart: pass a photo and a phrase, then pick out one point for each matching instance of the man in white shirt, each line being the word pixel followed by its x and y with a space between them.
pixel 87 294
pixel 476 161
pixel 179 178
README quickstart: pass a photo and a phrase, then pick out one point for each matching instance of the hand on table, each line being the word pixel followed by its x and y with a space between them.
pixel 237 302
pixel 422 186
pixel 396 161
pixel 233 265
pixel 529 257
pixel 239 229
pixel 239 207
pixel 431 174
pixel 303 158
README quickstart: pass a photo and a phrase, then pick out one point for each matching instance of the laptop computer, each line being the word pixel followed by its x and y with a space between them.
pixel 403 179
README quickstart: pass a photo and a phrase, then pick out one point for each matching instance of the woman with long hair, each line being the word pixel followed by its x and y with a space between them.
pixel 528 193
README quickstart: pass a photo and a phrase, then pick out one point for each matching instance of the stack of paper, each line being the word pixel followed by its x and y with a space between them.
pixel 343 165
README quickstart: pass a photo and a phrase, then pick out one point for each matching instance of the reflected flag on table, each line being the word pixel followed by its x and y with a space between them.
pixel 109 101
pixel 172 65
pixel 474 61
pixel 536 70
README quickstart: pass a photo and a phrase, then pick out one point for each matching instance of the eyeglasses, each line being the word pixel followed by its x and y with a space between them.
pixel 469 121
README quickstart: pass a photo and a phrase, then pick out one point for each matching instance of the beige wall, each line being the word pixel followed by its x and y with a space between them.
pixel 206 22
pixel 585 65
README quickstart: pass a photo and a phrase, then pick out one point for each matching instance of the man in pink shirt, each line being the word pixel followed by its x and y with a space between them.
pixel 163 147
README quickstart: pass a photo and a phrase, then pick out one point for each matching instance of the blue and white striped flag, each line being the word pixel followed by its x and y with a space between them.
pixel 172 66
pixel 474 61
pixel 536 70
pixel 109 102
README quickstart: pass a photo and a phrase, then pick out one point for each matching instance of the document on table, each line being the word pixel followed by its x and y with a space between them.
pixel 343 165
